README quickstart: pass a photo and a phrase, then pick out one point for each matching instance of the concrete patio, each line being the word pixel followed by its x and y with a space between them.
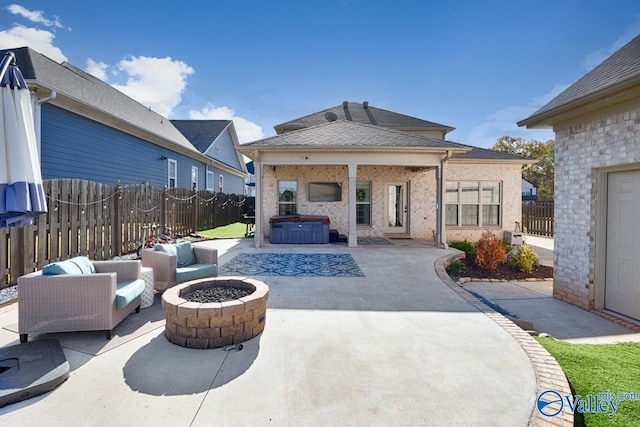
pixel 396 347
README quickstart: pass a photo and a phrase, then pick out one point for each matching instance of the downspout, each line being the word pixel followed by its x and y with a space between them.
pixel 441 220
pixel 37 116
pixel 257 173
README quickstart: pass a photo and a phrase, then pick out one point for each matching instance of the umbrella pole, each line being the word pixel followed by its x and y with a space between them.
pixel 9 58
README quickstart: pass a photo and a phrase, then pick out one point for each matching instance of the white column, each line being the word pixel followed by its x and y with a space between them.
pixel 442 229
pixel 353 232
pixel 257 165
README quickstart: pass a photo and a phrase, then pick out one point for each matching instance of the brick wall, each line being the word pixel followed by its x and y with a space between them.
pixel 606 140
pixel 422 199
pixel 511 177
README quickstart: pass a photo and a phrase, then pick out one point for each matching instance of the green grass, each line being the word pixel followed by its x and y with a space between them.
pixel 231 231
pixel 598 368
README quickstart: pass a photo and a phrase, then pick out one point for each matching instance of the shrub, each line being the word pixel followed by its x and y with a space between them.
pixel 524 258
pixel 456 267
pixel 466 246
pixel 489 251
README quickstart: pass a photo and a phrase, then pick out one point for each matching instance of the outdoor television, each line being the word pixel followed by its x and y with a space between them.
pixel 325 191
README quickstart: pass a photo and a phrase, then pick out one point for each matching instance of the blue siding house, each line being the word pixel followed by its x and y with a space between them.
pixel 218 140
pixel 87 129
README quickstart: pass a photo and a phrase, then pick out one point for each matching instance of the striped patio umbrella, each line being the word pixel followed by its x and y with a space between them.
pixel 21 194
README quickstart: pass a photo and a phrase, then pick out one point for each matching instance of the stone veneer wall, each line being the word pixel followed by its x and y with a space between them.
pixel 422 186
pixel 511 177
pixel 606 140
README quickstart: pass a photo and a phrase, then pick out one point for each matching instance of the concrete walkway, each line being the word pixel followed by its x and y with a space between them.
pixel 534 303
pixel 396 347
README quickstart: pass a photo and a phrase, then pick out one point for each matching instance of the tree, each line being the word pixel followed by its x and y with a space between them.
pixel 540 174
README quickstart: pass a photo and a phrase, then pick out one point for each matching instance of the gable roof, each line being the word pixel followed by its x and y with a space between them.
pixel 344 134
pixel 598 88
pixel 201 133
pixel 362 113
pixel 87 95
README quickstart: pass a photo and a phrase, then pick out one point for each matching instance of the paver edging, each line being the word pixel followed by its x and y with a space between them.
pixel 548 373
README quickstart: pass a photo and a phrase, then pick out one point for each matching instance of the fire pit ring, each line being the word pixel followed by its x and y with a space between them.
pixel 215 324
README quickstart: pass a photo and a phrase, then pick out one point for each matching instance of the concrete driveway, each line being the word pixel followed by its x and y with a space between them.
pixel 396 347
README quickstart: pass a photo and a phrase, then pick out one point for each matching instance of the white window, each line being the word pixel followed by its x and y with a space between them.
pixel 220 184
pixel 172 173
pixel 287 197
pixel 472 203
pixel 210 177
pixel 363 202
pixel 194 178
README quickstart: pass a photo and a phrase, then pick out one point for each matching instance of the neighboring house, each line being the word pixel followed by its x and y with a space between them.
pixel 529 190
pixel 378 173
pixel 218 140
pixel 597 185
pixel 87 129
pixel 250 180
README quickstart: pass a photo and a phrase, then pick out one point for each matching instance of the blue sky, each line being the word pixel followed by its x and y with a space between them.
pixel 479 66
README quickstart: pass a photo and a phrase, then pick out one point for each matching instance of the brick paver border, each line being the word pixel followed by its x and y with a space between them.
pixel 549 374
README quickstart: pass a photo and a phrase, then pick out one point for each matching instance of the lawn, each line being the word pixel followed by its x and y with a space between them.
pixel 231 231
pixel 599 368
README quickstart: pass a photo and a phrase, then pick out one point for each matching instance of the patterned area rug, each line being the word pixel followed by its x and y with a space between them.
pixel 276 264
pixel 374 241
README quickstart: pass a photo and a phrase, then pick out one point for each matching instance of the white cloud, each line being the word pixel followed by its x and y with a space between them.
pixel 35 16
pixel 154 82
pixel 39 40
pixel 504 122
pixel 247 130
pixel 596 57
pixel 97 69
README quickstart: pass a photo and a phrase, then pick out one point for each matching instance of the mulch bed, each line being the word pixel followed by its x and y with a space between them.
pixel 503 272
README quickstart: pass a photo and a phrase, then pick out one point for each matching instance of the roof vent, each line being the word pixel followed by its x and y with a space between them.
pixel 330 116
pixel 365 104
pixel 345 104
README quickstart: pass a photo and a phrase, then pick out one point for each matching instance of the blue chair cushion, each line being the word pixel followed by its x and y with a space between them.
pixel 183 251
pixel 196 271
pixel 127 291
pixel 77 265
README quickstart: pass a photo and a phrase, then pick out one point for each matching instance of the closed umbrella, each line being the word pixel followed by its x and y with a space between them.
pixel 21 194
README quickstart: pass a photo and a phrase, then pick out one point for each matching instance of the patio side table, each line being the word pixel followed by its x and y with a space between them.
pixel 148 293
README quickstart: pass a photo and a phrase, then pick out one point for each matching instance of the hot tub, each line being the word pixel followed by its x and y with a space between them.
pixel 299 229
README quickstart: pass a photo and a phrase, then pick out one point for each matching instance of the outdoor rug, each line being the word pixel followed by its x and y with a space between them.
pixel 374 241
pixel 278 264
pixel 96 342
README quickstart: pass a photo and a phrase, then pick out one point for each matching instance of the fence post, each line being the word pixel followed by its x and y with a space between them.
pixel 163 209
pixel 116 230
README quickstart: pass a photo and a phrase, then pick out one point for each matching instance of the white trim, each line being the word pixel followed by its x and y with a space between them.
pixel 220 184
pixel 175 170
pixel 209 183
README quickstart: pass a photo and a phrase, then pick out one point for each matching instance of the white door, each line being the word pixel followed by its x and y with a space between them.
pixel 622 287
pixel 396 208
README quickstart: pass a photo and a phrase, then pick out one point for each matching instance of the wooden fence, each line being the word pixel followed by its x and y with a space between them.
pixel 537 217
pixel 101 222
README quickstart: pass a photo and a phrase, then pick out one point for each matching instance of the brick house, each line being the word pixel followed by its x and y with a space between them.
pixel 597 185
pixel 377 173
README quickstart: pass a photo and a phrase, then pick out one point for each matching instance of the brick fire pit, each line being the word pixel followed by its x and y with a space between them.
pixel 214 324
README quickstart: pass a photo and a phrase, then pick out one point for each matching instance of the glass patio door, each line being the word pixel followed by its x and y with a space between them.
pixel 396 208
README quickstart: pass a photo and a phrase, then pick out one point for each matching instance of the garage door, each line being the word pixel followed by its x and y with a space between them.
pixel 622 286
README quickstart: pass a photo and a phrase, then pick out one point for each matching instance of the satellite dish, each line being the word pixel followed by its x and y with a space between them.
pixel 330 116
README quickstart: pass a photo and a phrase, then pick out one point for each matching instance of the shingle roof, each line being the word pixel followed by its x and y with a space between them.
pixel 83 88
pixel 477 153
pixel 201 133
pixel 620 69
pixel 356 112
pixel 344 133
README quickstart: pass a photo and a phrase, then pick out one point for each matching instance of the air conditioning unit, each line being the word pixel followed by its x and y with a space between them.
pixel 513 237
